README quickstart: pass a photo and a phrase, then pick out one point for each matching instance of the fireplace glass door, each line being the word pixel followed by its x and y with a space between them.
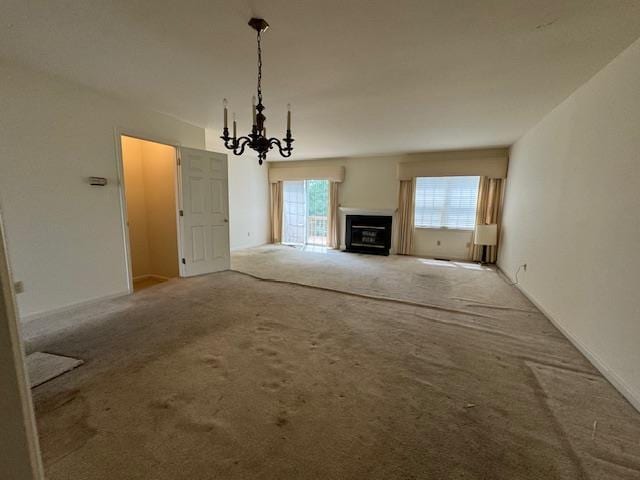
pixel 305 210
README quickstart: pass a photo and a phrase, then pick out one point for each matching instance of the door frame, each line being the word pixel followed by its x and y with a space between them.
pixel 22 429
pixel 119 133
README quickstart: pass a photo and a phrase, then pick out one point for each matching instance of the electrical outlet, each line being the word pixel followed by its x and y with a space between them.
pixel 18 286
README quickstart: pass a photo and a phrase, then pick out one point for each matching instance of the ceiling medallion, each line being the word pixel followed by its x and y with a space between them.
pixel 257 140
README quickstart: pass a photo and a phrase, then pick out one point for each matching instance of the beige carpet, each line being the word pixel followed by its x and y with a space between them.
pixel 229 377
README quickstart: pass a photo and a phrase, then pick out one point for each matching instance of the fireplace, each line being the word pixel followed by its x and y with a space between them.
pixel 368 234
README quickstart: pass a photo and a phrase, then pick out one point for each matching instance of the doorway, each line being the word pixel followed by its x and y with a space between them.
pixel 305 212
pixel 150 178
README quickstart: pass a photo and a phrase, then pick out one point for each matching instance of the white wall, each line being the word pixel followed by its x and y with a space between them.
pixel 65 237
pixel 442 243
pixel 572 214
pixel 372 183
pixel 248 197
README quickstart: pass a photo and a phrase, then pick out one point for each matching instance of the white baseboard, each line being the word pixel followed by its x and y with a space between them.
pixel 72 306
pixel 614 379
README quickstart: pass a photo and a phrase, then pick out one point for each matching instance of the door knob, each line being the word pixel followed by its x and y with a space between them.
pixel 226 220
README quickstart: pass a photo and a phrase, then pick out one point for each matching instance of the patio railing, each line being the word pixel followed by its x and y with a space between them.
pixel 317 230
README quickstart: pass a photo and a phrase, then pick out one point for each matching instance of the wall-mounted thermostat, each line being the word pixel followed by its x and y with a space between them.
pixel 97 181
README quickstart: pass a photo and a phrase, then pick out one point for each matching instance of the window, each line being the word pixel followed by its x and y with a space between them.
pixel 446 202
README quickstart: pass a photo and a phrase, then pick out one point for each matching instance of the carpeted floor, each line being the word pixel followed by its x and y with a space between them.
pixel 226 376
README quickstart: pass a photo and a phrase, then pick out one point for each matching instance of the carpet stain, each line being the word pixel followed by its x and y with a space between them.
pixel 70 428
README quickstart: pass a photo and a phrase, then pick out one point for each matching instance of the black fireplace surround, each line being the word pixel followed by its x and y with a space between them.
pixel 368 234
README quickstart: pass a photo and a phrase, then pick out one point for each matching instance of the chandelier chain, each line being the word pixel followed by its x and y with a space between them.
pixel 259 68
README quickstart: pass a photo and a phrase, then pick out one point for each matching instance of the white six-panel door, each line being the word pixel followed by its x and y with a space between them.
pixel 205 212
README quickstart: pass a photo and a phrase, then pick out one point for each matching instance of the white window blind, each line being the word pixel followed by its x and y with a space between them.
pixel 446 202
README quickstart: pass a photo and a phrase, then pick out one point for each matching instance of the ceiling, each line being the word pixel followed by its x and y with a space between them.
pixel 363 76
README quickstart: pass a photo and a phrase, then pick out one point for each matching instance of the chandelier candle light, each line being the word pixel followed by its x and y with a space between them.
pixel 257 140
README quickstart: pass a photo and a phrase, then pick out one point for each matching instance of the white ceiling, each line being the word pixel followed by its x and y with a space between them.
pixel 364 76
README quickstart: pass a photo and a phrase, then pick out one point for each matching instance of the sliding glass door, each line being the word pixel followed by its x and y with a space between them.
pixel 306 206
pixel 294 212
pixel 317 211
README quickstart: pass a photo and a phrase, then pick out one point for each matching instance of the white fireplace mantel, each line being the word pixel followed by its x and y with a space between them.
pixel 344 211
